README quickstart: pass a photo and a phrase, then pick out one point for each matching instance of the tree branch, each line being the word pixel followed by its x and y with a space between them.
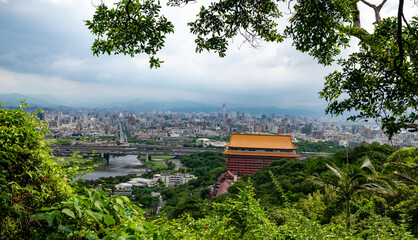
pixel 127 10
pixel 368 4
pixel 376 9
pixel 381 5
pixel 130 18
pixel 405 177
pixel 412 125
pixel 97 5
pixel 399 58
pixel 409 27
pixel 356 18
pixel 405 165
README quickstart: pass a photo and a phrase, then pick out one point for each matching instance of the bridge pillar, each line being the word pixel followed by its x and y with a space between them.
pixel 106 156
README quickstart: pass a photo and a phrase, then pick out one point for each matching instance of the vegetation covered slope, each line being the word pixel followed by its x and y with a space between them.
pixel 29 178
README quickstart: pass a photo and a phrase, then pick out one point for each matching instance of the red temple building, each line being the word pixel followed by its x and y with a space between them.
pixel 248 153
pixel 224 181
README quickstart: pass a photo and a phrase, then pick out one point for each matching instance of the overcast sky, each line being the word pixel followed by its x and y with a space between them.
pixel 45 49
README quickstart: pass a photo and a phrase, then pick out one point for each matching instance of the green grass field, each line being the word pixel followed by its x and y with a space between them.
pixel 155 165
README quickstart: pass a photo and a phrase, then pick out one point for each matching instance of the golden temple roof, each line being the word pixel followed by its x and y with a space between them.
pixel 261 141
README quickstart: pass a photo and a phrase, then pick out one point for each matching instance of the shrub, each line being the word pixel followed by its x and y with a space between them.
pixel 29 178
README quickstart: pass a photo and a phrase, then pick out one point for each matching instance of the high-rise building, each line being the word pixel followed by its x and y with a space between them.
pixel 41 116
pixel 223 111
pixel 248 153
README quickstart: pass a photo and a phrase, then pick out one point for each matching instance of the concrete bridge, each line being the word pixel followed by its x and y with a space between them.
pixel 142 150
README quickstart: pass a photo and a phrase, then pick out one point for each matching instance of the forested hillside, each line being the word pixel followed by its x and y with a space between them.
pixel 352 195
pixel 326 146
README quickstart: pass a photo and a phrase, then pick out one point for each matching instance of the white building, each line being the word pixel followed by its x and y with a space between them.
pixel 176 179
pixel 137 182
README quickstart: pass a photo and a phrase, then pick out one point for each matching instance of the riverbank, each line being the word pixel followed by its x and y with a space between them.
pixel 118 166
pixel 82 162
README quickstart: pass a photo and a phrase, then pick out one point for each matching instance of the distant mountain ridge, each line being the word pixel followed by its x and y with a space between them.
pixel 148 105
pixel 43 100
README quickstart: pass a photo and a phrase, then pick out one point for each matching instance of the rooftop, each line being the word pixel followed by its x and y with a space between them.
pixel 261 141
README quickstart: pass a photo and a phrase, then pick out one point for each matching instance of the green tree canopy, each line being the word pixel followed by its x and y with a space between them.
pixel 350 180
pixel 378 81
pixel 404 163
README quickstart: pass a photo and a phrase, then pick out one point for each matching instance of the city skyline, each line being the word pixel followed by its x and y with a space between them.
pixel 163 126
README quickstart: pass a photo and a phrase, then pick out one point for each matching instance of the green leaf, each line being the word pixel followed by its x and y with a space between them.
pixel 119 201
pixel 79 211
pixel 95 215
pixel 48 208
pixel 67 204
pixel 53 218
pixel 99 204
pixel 109 220
pixel 66 229
pixel 92 236
pixel 38 216
pixel 129 237
pixel 68 212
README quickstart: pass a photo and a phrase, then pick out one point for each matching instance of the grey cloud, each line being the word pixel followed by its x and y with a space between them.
pixel 50 41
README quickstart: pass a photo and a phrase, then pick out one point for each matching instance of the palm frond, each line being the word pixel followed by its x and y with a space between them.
pixel 334 170
pixel 324 183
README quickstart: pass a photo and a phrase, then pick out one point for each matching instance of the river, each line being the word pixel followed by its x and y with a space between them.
pixel 118 166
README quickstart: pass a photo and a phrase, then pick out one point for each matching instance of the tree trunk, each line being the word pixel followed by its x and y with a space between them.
pixel 347 215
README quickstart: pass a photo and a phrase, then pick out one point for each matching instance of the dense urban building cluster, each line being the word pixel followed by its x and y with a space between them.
pixel 171 126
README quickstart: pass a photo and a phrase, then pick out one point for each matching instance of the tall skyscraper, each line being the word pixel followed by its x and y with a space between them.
pixel 41 116
pixel 223 111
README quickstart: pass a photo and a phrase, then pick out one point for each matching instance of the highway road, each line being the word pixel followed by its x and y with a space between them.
pixel 140 149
